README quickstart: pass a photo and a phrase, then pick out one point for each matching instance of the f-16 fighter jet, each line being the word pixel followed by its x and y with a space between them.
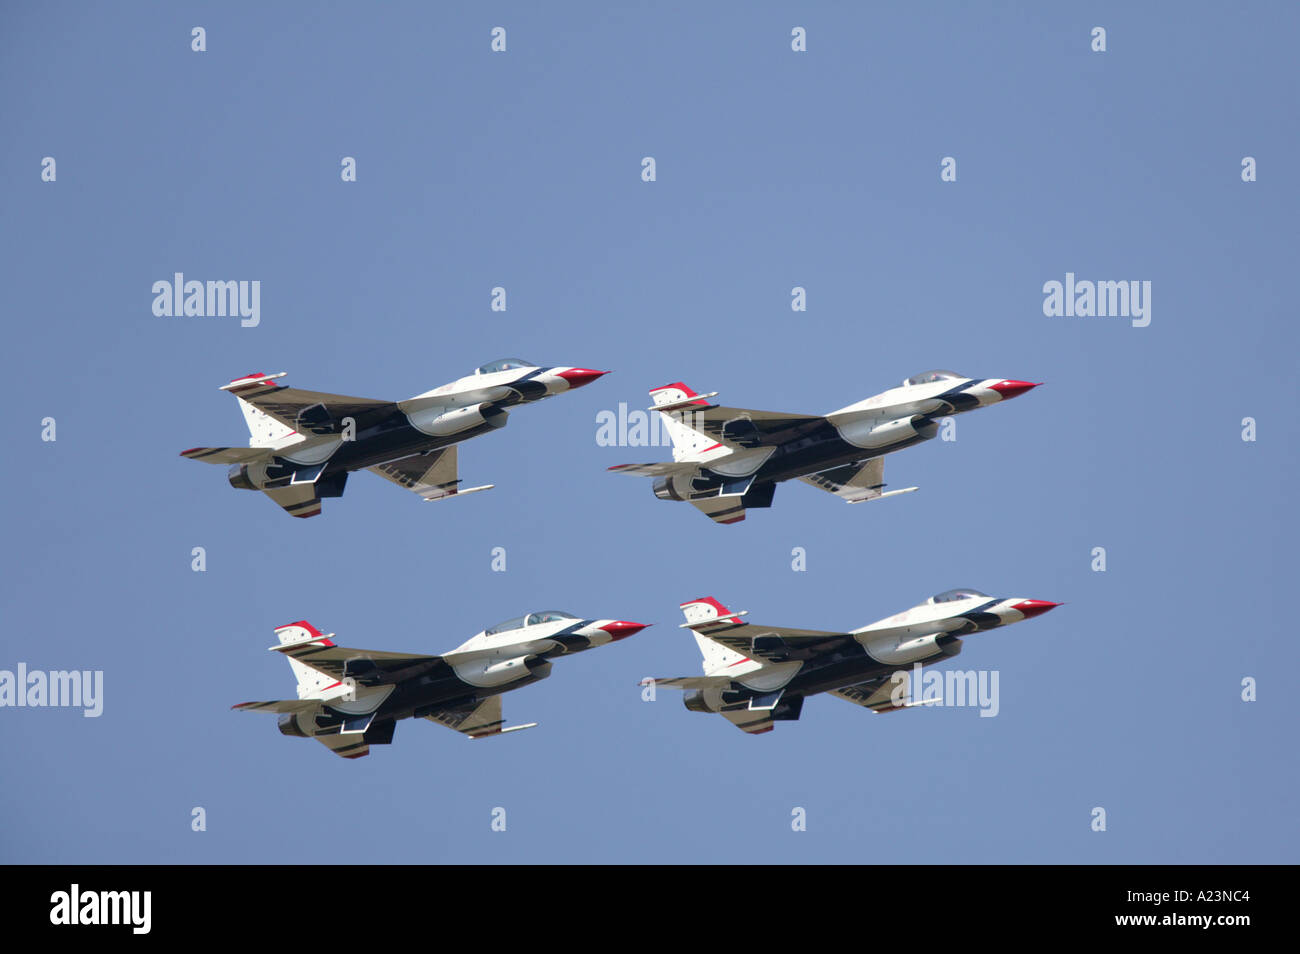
pixel 728 459
pixel 303 444
pixel 351 699
pixel 757 675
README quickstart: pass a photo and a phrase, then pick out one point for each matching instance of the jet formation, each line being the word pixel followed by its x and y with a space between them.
pixel 304 444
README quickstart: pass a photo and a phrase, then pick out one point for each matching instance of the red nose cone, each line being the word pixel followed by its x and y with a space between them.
pixel 1028 608
pixel 621 629
pixel 1010 389
pixel 577 377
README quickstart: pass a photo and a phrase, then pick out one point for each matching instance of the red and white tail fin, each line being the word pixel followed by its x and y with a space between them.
pixel 675 402
pixel 707 614
pixel 263 429
pixel 311 682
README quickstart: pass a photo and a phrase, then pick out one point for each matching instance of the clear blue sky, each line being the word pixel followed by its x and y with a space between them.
pixel 775 169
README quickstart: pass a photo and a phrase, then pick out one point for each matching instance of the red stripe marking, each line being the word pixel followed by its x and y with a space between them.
pixel 722 610
pixel 681 387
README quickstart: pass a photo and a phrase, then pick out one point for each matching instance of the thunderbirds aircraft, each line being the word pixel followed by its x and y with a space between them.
pixel 757 675
pixel 303 444
pixel 727 459
pixel 351 699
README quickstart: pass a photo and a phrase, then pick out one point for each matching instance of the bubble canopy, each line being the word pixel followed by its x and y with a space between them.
pixel 532 619
pixel 504 364
pixel 952 596
pixel 930 377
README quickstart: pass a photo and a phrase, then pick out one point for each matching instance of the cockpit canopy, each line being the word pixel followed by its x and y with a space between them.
pixel 952 596
pixel 930 377
pixel 505 364
pixel 532 619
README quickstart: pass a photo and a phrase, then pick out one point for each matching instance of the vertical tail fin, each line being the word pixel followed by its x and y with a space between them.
pixel 687 441
pixel 701 615
pixel 310 681
pixel 263 429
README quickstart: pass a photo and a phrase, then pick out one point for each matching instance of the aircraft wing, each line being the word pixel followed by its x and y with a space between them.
pixel 855 483
pixel 367 666
pixel 742 427
pixel 476 721
pixel 774 643
pixel 432 475
pixel 308 412
pixel 879 693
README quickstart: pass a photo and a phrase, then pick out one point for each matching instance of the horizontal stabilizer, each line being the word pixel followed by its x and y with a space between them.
pixel 347 745
pixel 297 500
pixel 750 721
pixel 723 510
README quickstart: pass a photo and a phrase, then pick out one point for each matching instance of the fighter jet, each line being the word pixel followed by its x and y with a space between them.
pixel 757 675
pixel 729 459
pixel 303 444
pixel 351 699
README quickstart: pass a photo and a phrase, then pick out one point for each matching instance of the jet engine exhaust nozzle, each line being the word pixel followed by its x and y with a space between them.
pixel 288 723
pixel 238 477
pixel 665 489
pixel 694 700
